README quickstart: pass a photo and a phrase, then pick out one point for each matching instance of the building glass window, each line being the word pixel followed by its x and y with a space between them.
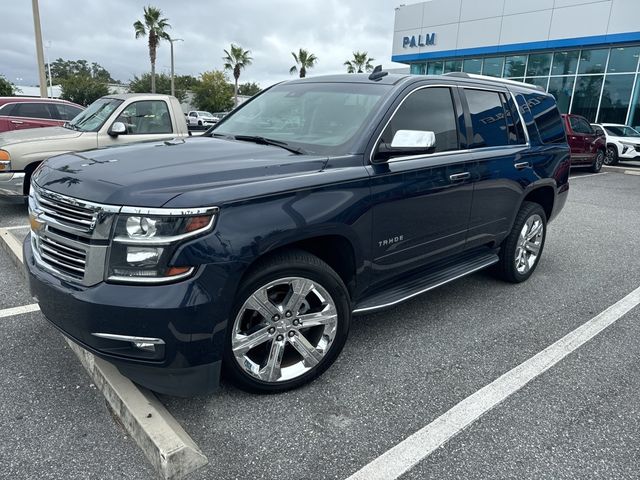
pixel 434 68
pixel 565 63
pixel 615 98
pixel 634 114
pixel 492 66
pixel 472 65
pixel 514 66
pixel 538 81
pixel 417 68
pixel 539 64
pixel 586 96
pixel 562 89
pixel 623 59
pixel 452 66
pixel 593 61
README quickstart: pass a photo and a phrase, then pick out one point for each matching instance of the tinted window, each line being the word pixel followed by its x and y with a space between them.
pixel 7 109
pixel 547 117
pixel 487 118
pixel 65 112
pixel 32 110
pixel 146 117
pixel 429 109
pixel 580 125
pixel 514 123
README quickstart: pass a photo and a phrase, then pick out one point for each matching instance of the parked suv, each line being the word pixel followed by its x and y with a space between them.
pixel 588 149
pixel 18 113
pixel 623 142
pixel 251 247
pixel 200 119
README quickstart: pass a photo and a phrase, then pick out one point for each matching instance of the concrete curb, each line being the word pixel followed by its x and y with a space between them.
pixel 167 446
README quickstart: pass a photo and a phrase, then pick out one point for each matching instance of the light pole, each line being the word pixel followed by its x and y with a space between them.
pixel 47 47
pixel 39 53
pixel 173 86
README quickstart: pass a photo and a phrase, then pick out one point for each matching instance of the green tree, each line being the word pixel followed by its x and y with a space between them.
pixel 249 89
pixel 83 90
pixel 154 28
pixel 142 84
pixel 236 59
pixel 213 93
pixel 360 63
pixel 62 69
pixel 6 87
pixel 304 61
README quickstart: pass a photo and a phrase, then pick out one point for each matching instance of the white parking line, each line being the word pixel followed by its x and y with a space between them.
pixel 585 176
pixel 9 312
pixel 399 459
pixel 17 227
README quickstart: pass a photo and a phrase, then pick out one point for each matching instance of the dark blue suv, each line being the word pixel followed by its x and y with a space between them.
pixel 248 250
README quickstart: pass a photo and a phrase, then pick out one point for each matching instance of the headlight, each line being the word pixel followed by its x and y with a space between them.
pixel 144 243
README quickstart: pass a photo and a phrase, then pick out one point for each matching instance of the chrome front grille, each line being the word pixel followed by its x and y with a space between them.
pixel 62 210
pixel 70 237
pixel 66 258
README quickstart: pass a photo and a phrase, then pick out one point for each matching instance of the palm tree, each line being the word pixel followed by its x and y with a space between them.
pixel 305 60
pixel 235 60
pixel 154 27
pixel 360 63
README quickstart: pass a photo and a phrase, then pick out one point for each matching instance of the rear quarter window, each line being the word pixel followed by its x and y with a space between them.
pixel 546 117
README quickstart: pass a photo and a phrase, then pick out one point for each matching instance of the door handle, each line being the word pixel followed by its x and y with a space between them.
pixel 17 122
pixel 522 165
pixel 459 176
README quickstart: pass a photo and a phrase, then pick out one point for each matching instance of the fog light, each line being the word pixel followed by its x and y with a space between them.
pixel 148 347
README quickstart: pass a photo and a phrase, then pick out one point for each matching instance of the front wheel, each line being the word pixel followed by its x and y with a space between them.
pixel 521 250
pixel 611 158
pixel 597 163
pixel 291 321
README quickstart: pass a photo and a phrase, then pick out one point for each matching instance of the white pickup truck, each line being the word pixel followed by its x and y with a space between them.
pixel 109 121
pixel 197 118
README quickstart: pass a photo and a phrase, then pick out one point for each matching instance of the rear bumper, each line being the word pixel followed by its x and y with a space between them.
pixel 12 184
pixel 185 316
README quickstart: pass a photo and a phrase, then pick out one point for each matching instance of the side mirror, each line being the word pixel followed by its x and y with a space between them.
pixel 408 142
pixel 118 128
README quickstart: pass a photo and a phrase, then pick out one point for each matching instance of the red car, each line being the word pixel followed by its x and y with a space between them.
pixel 17 113
pixel 588 149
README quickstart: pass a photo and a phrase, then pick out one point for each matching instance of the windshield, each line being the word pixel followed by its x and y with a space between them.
pixel 205 114
pixel 621 131
pixel 315 117
pixel 91 119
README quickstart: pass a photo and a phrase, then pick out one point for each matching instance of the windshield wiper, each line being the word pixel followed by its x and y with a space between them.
pixel 269 141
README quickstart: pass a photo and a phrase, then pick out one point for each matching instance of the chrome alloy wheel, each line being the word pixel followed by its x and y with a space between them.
pixel 529 244
pixel 284 329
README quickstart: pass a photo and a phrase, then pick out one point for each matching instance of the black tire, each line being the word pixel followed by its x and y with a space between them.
pixel 598 162
pixel 611 157
pixel 293 263
pixel 506 266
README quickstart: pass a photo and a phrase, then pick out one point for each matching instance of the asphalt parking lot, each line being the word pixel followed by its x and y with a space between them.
pixel 401 369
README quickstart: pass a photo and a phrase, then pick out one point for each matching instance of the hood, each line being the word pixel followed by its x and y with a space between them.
pixel 45 134
pixel 631 140
pixel 152 174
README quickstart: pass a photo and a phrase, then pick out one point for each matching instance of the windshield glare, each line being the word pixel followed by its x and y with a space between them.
pixel 621 131
pixel 92 119
pixel 317 117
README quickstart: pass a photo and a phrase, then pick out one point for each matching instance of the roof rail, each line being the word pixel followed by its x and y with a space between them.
pixel 495 79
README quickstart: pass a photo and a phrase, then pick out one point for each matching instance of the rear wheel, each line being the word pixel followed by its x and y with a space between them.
pixel 521 250
pixel 611 157
pixel 291 321
pixel 597 163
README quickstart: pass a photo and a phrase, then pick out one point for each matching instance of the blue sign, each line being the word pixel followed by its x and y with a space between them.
pixel 422 41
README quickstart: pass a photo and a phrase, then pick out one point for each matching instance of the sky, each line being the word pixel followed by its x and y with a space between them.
pixel 102 31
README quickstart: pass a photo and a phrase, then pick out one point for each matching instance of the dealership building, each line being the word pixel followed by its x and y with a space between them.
pixel 584 52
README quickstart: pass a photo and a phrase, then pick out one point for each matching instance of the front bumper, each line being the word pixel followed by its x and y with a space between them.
pixel 12 184
pixel 191 322
pixel 628 152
